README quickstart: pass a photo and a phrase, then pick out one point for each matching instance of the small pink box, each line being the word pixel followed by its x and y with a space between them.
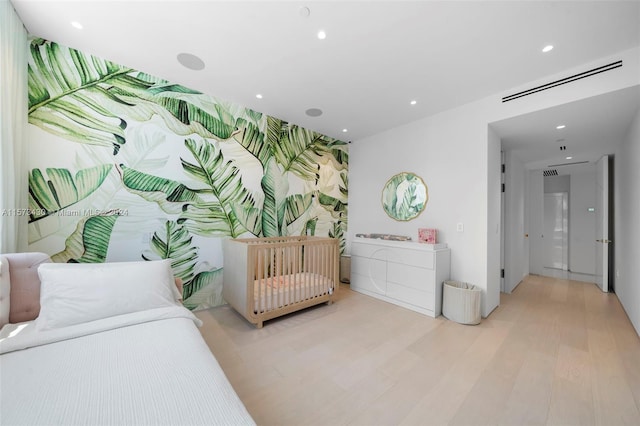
pixel 427 235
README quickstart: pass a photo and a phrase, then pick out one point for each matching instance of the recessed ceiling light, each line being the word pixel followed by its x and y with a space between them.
pixel 190 61
pixel 344 130
pixel 322 35
pixel 562 126
pixel 569 158
pixel 547 48
pixel 259 96
pixel 413 102
pixel 313 112
pixel 76 24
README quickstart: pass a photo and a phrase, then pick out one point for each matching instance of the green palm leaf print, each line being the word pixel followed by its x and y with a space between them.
pixel 90 241
pixel 61 189
pixel 174 242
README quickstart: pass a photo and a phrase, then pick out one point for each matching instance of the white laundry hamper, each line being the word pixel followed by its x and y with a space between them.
pixel 461 302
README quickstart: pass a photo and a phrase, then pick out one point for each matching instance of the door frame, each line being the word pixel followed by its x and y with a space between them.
pixel 602 224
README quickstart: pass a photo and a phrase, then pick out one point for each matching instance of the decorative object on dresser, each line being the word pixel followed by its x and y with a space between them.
pixel 428 235
pixel 391 237
pixel 265 278
pixel 404 196
pixel 408 274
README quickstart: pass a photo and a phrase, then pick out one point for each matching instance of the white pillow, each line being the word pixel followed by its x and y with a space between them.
pixel 73 293
pixel 5 291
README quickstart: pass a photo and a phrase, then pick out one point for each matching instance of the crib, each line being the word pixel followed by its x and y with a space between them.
pixel 265 278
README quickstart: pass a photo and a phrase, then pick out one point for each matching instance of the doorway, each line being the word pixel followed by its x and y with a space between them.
pixel 556 234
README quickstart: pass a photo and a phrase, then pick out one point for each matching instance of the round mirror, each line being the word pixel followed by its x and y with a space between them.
pixel 404 196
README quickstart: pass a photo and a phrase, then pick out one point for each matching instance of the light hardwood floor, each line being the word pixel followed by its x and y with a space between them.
pixel 555 352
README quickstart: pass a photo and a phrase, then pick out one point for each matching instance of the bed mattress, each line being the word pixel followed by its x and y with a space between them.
pixel 146 368
pixel 276 292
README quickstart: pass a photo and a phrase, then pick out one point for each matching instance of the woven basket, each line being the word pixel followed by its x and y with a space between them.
pixel 461 302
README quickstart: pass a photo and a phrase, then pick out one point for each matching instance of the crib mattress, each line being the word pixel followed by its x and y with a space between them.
pixel 276 292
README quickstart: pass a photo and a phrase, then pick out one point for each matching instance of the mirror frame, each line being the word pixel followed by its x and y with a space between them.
pixel 389 199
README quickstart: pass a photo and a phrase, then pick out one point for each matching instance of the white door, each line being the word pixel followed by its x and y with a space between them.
pixel 602 223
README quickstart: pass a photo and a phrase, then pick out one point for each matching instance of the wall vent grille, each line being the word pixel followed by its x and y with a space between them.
pixel 552 172
pixel 562 81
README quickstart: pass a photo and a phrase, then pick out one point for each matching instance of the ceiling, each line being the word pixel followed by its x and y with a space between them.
pixel 377 55
pixel 593 128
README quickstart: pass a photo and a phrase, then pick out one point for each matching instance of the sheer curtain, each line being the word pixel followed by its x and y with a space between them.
pixel 13 123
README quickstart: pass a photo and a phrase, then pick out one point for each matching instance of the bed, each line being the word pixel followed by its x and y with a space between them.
pixel 265 278
pixel 110 345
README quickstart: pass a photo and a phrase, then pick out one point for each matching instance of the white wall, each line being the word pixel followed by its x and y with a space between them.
pixel 516 250
pixel 627 229
pixel 582 223
pixel 557 184
pixel 452 160
pixel 451 151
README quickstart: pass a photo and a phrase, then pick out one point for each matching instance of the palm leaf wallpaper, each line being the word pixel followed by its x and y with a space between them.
pixel 127 166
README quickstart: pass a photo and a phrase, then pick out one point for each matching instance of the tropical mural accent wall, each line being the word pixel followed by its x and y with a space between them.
pixel 127 166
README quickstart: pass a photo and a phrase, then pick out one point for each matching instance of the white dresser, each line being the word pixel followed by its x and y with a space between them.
pixel 408 274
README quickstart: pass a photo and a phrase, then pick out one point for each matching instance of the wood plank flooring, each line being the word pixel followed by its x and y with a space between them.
pixel 556 352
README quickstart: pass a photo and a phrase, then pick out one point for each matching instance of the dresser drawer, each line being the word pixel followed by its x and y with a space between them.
pixel 368 284
pixel 419 258
pixel 368 274
pixel 369 250
pixel 420 279
pixel 412 296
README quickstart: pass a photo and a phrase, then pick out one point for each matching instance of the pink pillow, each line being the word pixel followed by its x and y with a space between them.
pixel 25 285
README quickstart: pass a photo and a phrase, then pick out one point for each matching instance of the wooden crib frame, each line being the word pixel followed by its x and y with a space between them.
pixel 265 278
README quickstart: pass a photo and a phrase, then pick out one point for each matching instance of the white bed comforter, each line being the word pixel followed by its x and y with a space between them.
pixel 145 368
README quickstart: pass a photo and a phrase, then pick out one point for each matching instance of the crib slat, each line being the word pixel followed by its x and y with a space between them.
pixel 309 271
pixel 261 279
pixel 265 278
pixel 275 288
pixel 316 266
pixel 301 270
pixel 290 284
pixel 270 279
pixel 277 278
pixel 325 270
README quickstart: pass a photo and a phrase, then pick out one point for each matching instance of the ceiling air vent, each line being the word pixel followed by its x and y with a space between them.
pixel 562 81
pixel 552 172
